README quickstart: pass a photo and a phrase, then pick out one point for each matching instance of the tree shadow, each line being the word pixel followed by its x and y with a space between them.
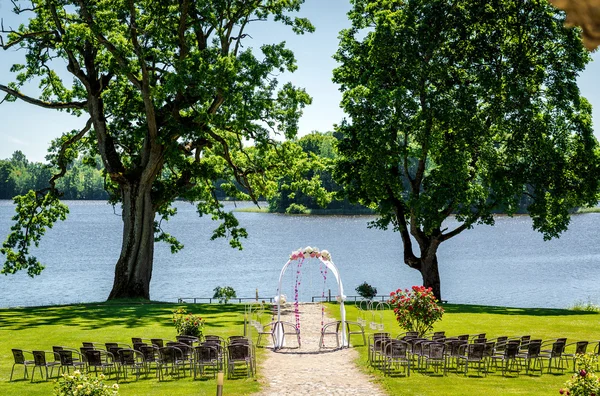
pixel 486 309
pixel 128 314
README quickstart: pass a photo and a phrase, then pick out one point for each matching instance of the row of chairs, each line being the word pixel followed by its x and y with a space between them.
pixel 440 353
pixel 328 330
pixel 165 357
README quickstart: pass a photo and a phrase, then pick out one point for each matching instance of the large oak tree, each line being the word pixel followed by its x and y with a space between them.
pixel 172 94
pixel 459 109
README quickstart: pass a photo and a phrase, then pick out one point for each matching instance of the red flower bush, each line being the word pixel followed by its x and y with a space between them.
pixel 416 309
pixel 187 323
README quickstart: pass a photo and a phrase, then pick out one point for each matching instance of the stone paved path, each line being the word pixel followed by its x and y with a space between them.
pixel 310 371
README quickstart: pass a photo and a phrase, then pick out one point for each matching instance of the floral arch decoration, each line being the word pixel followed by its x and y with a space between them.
pixel 324 257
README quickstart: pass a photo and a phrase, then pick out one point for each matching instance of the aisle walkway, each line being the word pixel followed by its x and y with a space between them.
pixel 310 371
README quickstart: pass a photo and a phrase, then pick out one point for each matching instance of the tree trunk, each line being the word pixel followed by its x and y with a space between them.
pixel 431 274
pixel 134 268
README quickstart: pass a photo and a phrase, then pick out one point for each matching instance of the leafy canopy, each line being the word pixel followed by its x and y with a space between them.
pixel 175 96
pixel 462 108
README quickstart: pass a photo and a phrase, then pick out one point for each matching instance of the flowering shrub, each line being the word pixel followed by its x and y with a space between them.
pixel 417 309
pixel 80 384
pixel 584 382
pixel 187 323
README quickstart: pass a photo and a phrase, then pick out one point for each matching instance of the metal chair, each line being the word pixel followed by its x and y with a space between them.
pixel 395 354
pixel 288 328
pixel 169 358
pixel 39 361
pixel 67 360
pixel 239 354
pixel 132 360
pixel 472 355
pixel 150 353
pixel 580 348
pixel 436 357
pixel 189 340
pixel 330 329
pixel 531 357
pixel 100 360
pixel 510 364
pixel 266 330
pixel 187 354
pixel 355 328
pixel 206 355
pixel 19 359
pixel 555 357
pixel 377 344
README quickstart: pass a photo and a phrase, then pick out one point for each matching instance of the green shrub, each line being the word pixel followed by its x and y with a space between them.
pixel 585 307
pixel 80 384
pixel 224 293
pixel 366 291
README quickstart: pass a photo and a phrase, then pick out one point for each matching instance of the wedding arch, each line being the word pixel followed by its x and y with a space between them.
pixel 324 258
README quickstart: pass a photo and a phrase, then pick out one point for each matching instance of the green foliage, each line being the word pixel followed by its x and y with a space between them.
pixel 587 306
pixel 224 294
pixel 584 382
pixel 366 291
pixel 417 309
pixel 80 384
pixel 35 213
pixel 312 186
pixel 187 323
pixel 459 109
pixel 172 94
pixel 83 178
pixel 295 208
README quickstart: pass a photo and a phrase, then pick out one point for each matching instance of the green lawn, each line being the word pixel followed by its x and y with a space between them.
pixel 494 321
pixel 43 327
pixel 40 328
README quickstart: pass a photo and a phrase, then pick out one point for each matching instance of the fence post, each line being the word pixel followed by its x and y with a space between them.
pixel 329 298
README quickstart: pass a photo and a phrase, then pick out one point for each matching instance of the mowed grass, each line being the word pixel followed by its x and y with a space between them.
pixel 42 327
pixel 494 321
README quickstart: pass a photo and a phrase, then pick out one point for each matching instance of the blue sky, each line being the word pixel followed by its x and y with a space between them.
pixel 30 129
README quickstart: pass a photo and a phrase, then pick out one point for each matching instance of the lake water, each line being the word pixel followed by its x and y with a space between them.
pixel 505 265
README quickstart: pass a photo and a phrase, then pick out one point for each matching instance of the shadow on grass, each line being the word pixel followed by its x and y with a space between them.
pixel 130 315
pixel 486 309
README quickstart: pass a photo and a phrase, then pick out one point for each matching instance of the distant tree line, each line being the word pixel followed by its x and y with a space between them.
pixel 302 197
pixel 82 181
pixel 323 147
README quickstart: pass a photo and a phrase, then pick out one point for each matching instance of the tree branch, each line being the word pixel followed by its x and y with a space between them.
pixel 22 36
pixel 108 45
pixel 41 103
pixel 62 164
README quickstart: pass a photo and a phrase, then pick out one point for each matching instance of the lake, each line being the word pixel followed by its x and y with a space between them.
pixel 505 265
